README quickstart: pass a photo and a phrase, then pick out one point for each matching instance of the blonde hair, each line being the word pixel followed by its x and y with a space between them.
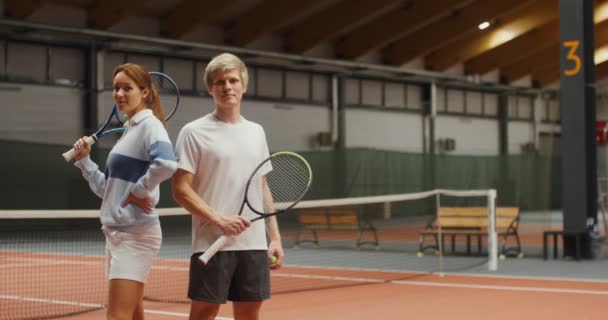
pixel 225 62
pixel 143 79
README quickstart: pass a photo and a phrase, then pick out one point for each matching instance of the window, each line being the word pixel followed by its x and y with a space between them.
pixel 455 101
pixel 297 85
pixel 181 71
pixel 490 104
pixel 67 64
pixel 27 62
pixel 321 88
pixel 111 60
pixel 474 102
pixel 395 95
pixel 270 83
pixel 414 97
pixel 352 91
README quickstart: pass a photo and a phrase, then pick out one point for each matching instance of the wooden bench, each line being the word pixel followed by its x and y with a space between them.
pixel 334 219
pixel 473 222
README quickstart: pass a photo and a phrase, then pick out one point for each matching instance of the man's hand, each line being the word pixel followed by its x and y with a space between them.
pixel 275 249
pixel 233 225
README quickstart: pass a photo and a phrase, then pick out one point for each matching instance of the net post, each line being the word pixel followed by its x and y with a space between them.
pixel 492 236
pixel 439 231
pixel 387 210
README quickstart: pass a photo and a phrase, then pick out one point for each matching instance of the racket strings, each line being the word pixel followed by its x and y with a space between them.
pixel 288 181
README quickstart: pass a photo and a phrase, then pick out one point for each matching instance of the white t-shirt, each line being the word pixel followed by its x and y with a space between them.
pixel 222 156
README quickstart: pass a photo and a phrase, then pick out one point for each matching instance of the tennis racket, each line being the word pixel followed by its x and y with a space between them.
pixel 288 182
pixel 169 99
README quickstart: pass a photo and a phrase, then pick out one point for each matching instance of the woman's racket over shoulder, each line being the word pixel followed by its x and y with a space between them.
pixel 168 94
pixel 282 179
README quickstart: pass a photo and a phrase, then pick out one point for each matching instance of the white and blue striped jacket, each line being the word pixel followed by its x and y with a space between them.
pixel 142 158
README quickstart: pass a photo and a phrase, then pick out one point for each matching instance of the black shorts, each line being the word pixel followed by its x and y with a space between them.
pixel 230 275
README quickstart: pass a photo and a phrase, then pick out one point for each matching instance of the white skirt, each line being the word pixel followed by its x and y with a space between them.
pixel 129 254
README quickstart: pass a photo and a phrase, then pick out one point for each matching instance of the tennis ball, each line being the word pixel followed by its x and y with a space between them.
pixel 273 259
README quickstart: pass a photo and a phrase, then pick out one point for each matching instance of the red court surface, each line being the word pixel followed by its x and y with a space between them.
pixel 360 294
pixel 34 283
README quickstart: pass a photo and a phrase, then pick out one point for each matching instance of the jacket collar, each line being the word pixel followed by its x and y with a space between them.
pixel 140 116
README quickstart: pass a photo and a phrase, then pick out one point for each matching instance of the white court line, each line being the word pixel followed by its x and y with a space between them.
pixel 53 261
pixel 169 268
pixel 506 288
pixel 23 265
pixel 42 261
pixel 471 275
pixel 441 284
pixel 351 279
pixel 356 269
pixel 315 277
pixel 94 305
pixel 178 314
pixel 51 301
pixel 33 262
pixel 525 277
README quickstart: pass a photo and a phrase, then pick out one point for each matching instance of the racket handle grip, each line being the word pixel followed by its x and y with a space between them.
pixel 70 154
pixel 213 249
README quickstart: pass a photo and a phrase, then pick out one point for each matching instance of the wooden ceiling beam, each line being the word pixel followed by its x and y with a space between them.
pixel 83 4
pixel 551 73
pixel 463 21
pixel 394 25
pixel 267 17
pixel 522 67
pixel 601 70
pixel 510 26
pixel 518 48
pixel 105 14
pixel 21 9
pixel 535 40
pixel 189 14
pixel 333 21
pixel 547 73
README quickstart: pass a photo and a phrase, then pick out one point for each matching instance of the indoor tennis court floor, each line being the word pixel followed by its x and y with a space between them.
pixel 529 288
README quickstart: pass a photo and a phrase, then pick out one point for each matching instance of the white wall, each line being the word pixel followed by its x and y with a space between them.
pixel 520 132
pixel 383 130
pixel 288 127
pixel 472 135
pixel 43 114
pixel 190 108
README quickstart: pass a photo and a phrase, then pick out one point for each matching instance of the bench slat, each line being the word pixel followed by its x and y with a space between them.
pixel 327 219
pixel 460 221
pixel 312 219
pixel 478 211
pixel 343 219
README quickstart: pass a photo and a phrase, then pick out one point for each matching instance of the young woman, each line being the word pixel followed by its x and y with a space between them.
pixel 142 158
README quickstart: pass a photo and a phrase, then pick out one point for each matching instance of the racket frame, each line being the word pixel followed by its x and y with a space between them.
pixel 92 139
pixel 262 215
pixel 221 241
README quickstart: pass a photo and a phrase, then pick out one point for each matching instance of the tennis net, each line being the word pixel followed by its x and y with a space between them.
pixel 53 262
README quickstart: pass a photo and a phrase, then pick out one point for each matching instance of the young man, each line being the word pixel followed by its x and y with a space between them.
pixel 216 155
